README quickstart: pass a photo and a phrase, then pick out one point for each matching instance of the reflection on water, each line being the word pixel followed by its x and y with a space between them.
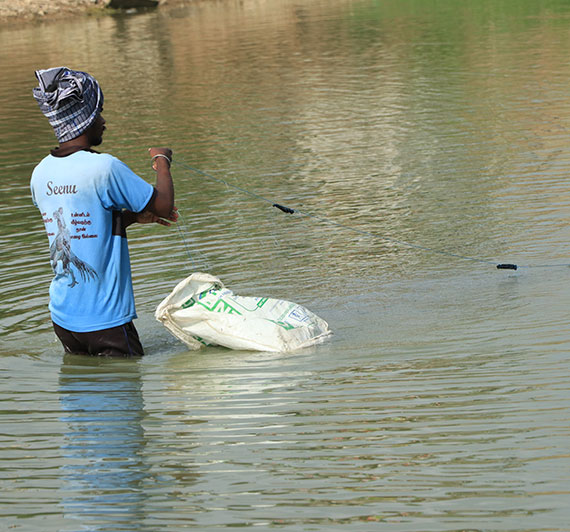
pixel 440 403
pixel 102 408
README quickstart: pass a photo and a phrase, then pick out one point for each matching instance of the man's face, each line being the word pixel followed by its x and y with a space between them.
pixel 95 131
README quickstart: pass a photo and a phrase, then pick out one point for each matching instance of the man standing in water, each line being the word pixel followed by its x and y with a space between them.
pixel 87 200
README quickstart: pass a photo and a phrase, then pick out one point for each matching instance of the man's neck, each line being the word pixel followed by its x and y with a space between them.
pixel 71 146
pixel 81 142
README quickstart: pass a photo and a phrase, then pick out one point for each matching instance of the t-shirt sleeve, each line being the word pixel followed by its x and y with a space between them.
pixel 124 189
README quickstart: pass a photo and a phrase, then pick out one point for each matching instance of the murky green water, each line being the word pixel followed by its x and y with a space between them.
pixel 441 403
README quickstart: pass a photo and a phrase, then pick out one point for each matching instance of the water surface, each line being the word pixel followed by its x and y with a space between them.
pixel 441 401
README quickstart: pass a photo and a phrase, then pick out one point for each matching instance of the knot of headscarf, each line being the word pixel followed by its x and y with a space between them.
pixel 70 99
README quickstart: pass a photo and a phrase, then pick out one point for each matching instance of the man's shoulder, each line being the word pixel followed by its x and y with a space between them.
pixel 98 162
pixel 103 157
pixel 85 163
pixel 40 164
pixel 96 155
pixel 76 157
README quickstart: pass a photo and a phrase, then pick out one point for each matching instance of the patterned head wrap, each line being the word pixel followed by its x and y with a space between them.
pixel 70 99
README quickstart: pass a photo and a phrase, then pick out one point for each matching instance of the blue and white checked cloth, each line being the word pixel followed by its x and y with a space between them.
pixel 70 99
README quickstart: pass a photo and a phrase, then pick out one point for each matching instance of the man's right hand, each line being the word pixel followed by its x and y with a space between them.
pixel 163 202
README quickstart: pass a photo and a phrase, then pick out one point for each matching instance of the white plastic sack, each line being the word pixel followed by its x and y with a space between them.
pixel 201 311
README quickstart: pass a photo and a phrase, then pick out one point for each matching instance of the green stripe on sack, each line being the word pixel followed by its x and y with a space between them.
pixel 284 324
pixel 220 305
pixel 189 303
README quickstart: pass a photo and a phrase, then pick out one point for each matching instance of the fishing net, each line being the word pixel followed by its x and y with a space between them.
pixel 202 311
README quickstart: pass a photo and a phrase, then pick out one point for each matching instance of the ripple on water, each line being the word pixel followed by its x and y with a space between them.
pixel 439 404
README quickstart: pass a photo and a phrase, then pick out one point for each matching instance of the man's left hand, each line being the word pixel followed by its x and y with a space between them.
pixel 147 217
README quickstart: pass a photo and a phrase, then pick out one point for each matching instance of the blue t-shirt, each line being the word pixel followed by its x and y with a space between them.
pixel 81 197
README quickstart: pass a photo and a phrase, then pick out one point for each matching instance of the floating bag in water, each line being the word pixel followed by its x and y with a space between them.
pixel 201 311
